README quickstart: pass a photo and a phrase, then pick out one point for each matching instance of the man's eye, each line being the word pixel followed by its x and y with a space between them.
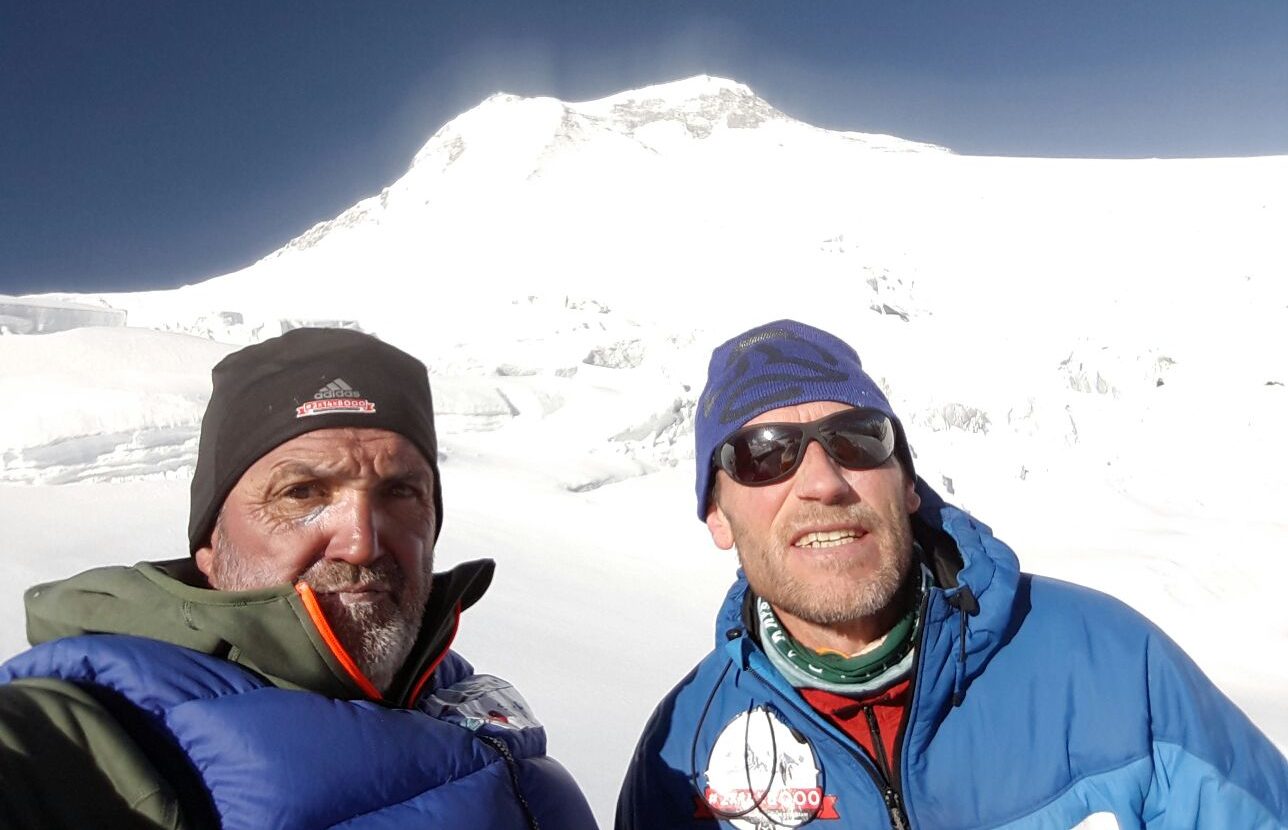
pixel 301 492
pixel 403 490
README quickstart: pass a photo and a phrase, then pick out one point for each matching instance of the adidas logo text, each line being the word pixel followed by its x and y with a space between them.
pixel 336 389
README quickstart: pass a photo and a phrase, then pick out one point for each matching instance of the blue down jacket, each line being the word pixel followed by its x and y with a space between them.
pixel 1035 704
pixel 152 701
pixel 276 758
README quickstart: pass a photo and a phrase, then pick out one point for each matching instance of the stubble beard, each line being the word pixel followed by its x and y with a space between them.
pixel 378 635
pixel 836 595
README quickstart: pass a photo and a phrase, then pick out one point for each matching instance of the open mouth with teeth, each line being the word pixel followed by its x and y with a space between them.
pixel 819 539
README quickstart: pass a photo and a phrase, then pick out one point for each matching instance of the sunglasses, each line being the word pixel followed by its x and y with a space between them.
pixel 857 439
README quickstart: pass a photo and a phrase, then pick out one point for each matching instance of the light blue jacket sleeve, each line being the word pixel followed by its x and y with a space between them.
pixel 1212 767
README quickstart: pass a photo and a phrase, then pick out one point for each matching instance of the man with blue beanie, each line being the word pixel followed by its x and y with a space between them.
pixel 881 661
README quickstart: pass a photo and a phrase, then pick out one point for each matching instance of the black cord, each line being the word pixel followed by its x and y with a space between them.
pixel 759 800
pixel 513 767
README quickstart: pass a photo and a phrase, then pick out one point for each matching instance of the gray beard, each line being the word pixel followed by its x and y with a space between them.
pixel 377 635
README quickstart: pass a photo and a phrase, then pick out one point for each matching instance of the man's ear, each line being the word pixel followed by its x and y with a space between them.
pixel 718 525
pixel 205 559
pixel 911 498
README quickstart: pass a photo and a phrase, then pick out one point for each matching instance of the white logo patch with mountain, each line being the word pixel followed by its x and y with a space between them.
pixel 336 396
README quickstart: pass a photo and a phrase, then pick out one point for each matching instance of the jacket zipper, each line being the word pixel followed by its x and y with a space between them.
pixel 890 795
pixel 894 795
pixel 888 785
pixel 893 804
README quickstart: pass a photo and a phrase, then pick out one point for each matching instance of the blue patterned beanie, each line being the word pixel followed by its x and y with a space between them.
pixel 779 364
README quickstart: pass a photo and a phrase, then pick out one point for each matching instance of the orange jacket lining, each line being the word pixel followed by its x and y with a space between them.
pixel 429 672
pixel 328 636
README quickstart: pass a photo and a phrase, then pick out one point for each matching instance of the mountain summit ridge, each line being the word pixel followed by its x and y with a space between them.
pixel 508 138
pixel 700 189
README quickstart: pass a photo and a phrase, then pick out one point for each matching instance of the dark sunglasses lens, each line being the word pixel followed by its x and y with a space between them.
pixel 759 455
pixel 858 440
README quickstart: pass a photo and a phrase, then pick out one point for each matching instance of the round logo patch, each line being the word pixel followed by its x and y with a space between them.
pixel 761 775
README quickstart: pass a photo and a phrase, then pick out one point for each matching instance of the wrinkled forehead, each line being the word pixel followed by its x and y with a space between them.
pixel 343 451
pixel 799 413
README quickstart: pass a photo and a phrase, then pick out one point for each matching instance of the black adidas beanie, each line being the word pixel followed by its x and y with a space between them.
pixel 305 380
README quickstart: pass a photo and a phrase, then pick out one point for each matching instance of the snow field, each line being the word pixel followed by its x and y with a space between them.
pixel 1088 355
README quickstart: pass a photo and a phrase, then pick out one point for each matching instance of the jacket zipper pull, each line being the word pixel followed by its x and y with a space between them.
pixel 893 805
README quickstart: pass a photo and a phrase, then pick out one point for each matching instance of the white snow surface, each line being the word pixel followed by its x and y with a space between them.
pixel 1090 355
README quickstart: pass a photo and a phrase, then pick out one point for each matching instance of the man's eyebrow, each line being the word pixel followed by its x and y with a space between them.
pixel 304 469
pixel 297 468
pixel 411 476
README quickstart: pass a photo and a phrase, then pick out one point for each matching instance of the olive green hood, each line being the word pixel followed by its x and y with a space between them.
pixel 268 631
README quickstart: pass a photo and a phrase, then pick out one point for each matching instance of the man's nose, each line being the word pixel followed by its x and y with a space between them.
pixel 820 478
pixel 354 529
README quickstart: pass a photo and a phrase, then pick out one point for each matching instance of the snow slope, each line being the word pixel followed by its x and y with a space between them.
pixel 1089 355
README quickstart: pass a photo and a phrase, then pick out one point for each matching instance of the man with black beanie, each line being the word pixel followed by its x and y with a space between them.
pixel 295 670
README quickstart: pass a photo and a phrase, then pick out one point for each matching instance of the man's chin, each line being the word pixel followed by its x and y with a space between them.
pixel 813 604
pixel 353 616
pixel 833 598
pixel 828 580
pixel 360 599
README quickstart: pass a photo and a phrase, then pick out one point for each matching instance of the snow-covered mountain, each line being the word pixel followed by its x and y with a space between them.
pixel 703 186
pixel 1032 301
pixel 1089 354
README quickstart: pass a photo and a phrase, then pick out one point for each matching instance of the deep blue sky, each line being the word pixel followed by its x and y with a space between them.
pixel 149 144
